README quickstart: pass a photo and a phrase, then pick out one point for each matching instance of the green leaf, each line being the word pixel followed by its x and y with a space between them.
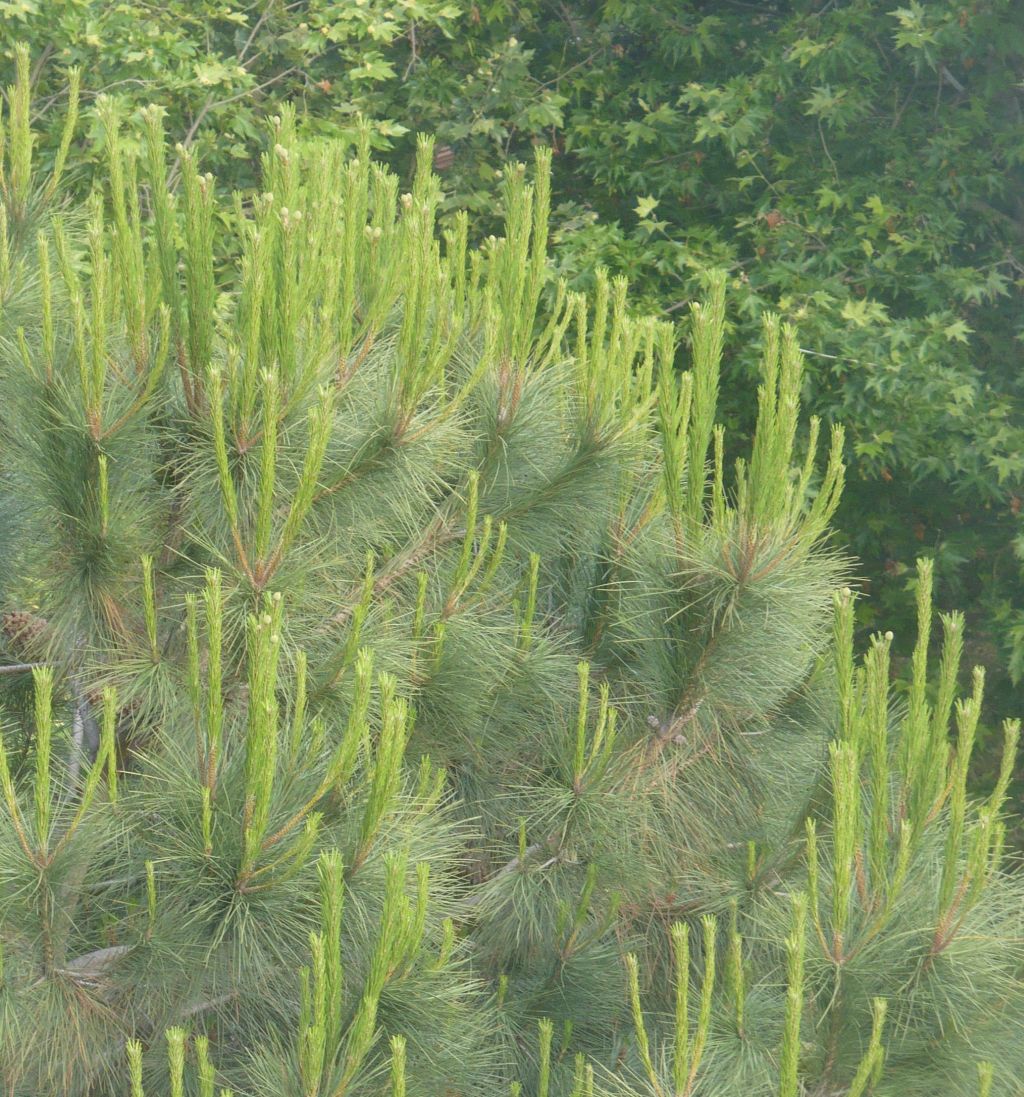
pixel 957 331
pixel 864 312
pixel 214 71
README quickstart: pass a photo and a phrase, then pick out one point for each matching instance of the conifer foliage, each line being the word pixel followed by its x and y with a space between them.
pixel 404 695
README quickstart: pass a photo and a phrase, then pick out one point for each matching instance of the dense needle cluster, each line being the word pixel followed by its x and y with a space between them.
pixel 404 694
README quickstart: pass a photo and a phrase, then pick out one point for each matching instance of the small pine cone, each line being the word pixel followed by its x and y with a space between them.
pixel 444 157
pixel 26 633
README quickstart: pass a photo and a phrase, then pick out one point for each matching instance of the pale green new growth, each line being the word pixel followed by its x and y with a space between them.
pixel 408 692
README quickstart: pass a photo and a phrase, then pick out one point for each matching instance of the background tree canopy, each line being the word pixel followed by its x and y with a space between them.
pixel 855 166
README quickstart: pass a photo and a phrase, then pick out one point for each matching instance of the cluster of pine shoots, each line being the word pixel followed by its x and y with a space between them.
pixel 402 694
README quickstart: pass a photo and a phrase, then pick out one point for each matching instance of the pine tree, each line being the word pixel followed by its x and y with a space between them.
pixel 404 694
